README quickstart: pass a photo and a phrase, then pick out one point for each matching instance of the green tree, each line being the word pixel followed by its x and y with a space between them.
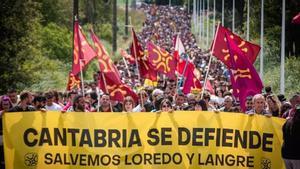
pixel 19 21
pixel 57 42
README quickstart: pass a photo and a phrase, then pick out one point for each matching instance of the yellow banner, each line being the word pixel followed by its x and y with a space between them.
pixel 142 140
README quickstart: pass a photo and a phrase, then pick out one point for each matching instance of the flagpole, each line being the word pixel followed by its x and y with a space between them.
pixel 261 67
pixel 106 90
pixel 188 7
pixel 201 20
pixel 233 15
pixel 214 20
pixel 98 98
pixel 197 17
pixel 135 55
pixel 203 17
pixel 81 76
pixel 209 62
pixel 129 74
pixel 248 19
pixel 222 12
pixel 206 75
pixel 136 61
pixel 194 13
pixel 207 26
pixel 282 58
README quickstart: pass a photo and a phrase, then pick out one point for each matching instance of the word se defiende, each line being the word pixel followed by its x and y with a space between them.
pixel 115 138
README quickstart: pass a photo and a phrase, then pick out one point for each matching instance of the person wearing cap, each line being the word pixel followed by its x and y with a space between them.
pixel 290 150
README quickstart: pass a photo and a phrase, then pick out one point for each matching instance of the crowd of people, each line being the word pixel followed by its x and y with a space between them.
pixel 161 25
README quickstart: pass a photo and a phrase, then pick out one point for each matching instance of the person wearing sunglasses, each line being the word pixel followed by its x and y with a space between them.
pixel 166 106
pixel 273 105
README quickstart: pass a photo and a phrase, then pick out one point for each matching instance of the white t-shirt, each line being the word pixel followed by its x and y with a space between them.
pixel 54 107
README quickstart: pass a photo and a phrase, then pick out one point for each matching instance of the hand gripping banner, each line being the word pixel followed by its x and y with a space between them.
pixel 205 140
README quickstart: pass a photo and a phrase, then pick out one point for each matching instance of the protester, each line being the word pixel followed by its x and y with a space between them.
pixel 128 104
pixel 166 106
pixel 12 94
pixel 200 106
pixel 249 103
pixel 228 104
pixel 50 104
pixel 5 104
pixel 206 98
pixel 180 100
pixel 78 104
pixel 273 105
pixel 291 138
pixel 25 103
pixel 259 104
pixel 105 104
pixel 143 100
pixel 295 100
pixel 69 101
pixel 39 102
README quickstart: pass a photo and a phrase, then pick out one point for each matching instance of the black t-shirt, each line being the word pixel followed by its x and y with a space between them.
pixel 20 109
pixel 291 140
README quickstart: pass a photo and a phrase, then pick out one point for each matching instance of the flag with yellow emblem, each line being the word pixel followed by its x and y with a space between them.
pixel 83 53
pixel 116 91
pixel 73 82
pixel 161 61
pixel 244 78
pixel 106 65
pixel 145 70
pixel 220 50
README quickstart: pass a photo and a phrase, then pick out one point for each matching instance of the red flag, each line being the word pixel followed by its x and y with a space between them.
pixel 82 50
pixel 146 71
pixel 187 65
pixel 191 82
pixel 244 78
pixel 128 57
pixel 117 91
pixel 296 19
pixel 220 50
pixel 136 48
pixel 73 82
pixel 161 61
pixel 105 63
pixel 209 87
pixel 179 48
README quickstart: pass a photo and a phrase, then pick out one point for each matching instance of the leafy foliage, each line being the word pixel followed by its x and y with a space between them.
pixel 56 42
